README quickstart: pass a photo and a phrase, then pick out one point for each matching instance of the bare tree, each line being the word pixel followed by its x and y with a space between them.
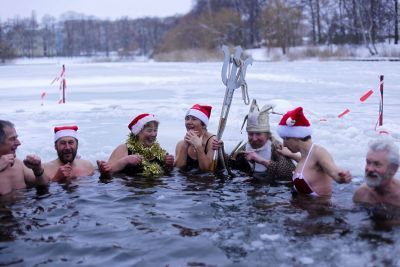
pixel 6 49
pixel 281 24
pixel 365 16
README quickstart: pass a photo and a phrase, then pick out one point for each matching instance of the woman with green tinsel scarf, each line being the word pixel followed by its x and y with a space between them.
pixel 141 154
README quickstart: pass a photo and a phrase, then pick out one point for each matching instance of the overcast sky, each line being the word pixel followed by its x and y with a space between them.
pixel 111 9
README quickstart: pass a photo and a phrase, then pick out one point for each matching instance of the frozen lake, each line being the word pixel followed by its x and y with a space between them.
pixel 184 221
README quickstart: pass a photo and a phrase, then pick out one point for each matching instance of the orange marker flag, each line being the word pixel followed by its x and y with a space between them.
pixel 42 97
pixel 344 113
pixel 366 95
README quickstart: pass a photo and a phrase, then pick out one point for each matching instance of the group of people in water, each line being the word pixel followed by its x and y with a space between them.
pixel 307 166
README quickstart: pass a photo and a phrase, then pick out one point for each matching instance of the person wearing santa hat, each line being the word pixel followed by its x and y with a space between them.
pixel 15 173
pixel 195 150
pixel 316 168
pixel 141 154
pixel 67 166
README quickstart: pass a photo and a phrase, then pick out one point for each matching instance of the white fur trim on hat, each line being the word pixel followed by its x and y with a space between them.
pixel 198 114
pixel 294 131
pixel 136 128
pixel 64 133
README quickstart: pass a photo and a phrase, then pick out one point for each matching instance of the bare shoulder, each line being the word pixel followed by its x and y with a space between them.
pixel 85 162
pixel 85 166
pixel 362 193
pixel 119 152
pixel 322 156
pixel 121 148
pixel 51 164
pixel 18 163
pixel 396 185
pixel 179 144
pixel 20 167
pixel 396 182
pixel 321 151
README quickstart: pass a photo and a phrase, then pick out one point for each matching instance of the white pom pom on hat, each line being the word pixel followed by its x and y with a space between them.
pixel 294 124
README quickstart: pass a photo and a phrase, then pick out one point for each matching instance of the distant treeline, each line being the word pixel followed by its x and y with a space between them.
pixel 210 23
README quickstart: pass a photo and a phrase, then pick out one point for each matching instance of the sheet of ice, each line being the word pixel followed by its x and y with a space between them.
pixel 102 98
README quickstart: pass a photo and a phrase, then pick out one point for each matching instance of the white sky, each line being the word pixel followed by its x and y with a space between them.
pixel 112 9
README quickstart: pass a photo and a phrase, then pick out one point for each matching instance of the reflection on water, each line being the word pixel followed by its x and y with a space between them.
pixel 192 220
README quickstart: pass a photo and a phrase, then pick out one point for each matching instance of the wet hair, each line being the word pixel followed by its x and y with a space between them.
pixel 4 124
pixel 385 144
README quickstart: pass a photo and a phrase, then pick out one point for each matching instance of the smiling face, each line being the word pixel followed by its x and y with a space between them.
pixel 378 169
pixel 194 124
pixel 148 135
pixel 11 142
pixel 66 148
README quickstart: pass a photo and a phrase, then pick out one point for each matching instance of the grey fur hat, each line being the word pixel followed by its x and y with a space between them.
pixel 258 120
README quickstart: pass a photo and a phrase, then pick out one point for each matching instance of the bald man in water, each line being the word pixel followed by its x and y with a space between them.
pixel 14 173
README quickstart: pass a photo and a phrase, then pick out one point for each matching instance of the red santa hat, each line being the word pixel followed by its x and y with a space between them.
pixel 200 112
pixel 138 123
pixel 62 131
pixel 294 124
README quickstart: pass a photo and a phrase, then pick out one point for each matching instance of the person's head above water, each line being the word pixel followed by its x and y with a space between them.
pixel 382 162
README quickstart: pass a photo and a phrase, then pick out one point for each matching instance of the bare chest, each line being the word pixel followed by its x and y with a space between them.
pixel 11 179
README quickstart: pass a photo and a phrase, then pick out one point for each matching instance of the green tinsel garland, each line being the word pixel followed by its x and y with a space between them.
pixel 147 153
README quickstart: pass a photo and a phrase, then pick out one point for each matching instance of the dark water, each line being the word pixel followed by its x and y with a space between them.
pixel 191 221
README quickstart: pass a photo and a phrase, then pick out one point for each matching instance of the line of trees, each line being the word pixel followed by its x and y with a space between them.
pixel 80 35
pixel 210 23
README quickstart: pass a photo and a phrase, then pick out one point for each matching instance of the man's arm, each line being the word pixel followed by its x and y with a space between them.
pixel 34 172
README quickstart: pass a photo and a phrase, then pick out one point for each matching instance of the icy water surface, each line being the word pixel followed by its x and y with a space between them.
pixel 190 221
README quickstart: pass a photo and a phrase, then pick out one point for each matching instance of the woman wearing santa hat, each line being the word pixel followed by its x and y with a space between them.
pixel 195 150
pixel 140 154
pixel 316 168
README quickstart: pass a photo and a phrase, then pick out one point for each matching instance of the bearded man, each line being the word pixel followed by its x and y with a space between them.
pixel 382 163
pixel 67 166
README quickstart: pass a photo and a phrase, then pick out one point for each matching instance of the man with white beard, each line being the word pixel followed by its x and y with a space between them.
pixel 382 163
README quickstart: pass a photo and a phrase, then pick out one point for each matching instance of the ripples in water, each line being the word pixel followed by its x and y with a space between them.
pixel 192 220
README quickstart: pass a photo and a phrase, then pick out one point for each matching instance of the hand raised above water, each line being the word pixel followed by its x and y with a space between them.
pixel 6 161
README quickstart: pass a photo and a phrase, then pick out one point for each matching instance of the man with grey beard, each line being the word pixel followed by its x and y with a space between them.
pixel 67 166
pixel 382 163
